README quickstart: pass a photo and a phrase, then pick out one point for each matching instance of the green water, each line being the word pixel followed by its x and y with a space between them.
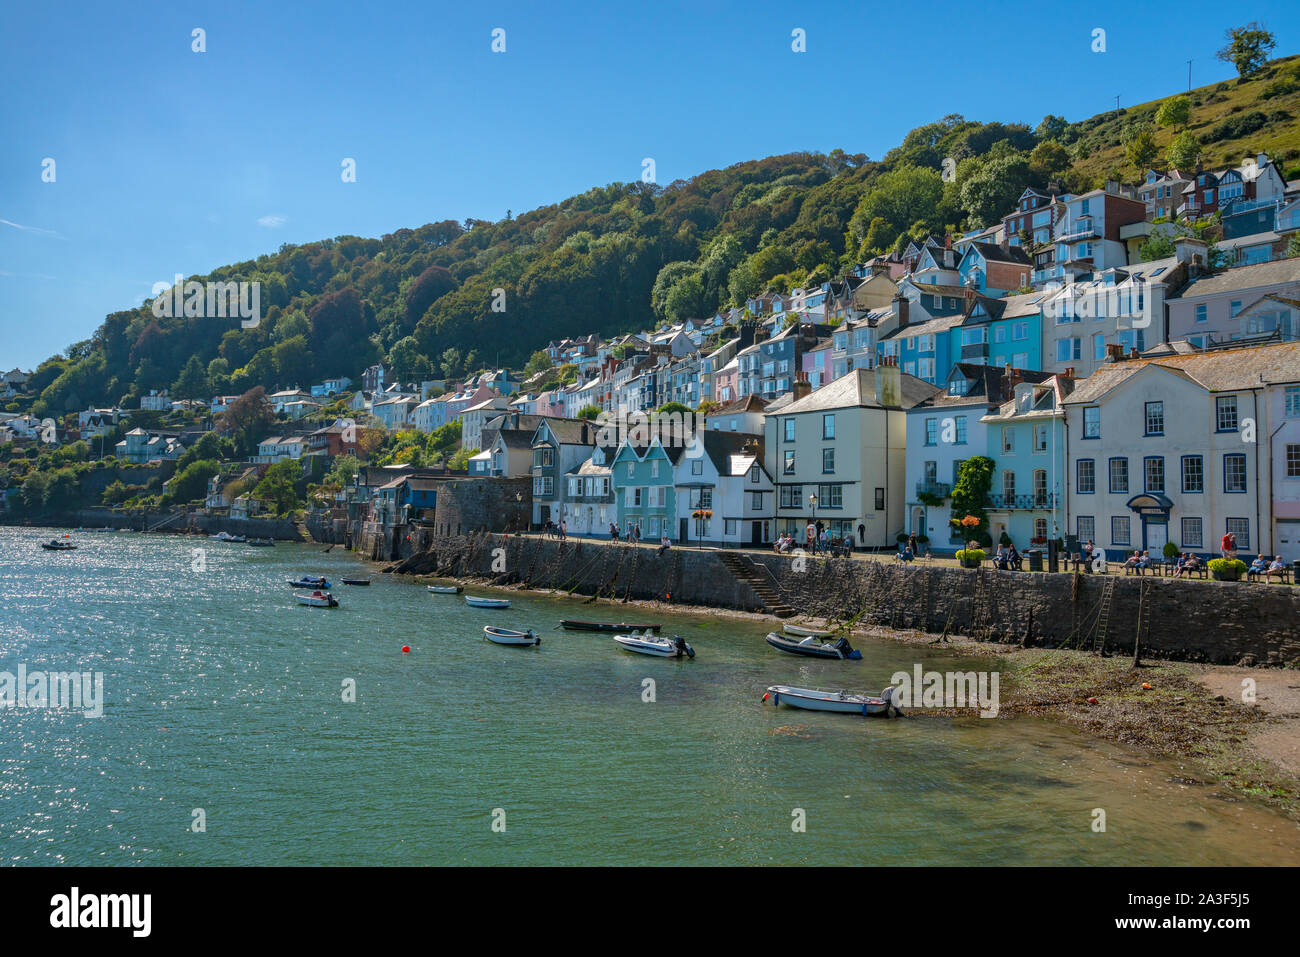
pixel 222 694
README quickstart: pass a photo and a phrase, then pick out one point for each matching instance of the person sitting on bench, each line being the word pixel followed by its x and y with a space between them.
pixel 905 554
pixel 1276 567
pixel 1013 557
pixel 1258 567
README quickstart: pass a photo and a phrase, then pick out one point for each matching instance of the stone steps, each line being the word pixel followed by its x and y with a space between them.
pixel 744 571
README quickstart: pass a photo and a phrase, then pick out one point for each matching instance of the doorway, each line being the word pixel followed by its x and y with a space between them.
pixel 1155 535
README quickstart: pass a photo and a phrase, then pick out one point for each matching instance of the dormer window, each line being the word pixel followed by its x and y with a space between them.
pixel 958 386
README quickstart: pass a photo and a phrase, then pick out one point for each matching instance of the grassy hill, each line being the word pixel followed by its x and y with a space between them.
pixel 448 298
pixel 1274 93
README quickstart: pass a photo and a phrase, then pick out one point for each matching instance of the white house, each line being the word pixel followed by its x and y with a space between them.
pixel 1187 448
pixel 156 401
pixel 725 495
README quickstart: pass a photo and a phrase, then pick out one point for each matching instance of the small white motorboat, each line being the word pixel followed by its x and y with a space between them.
pixel 317 599
pixel 814 647
pixel 507 636
pixel 803 631
pixel 844 702
pixel 475 602
pixel 446 589
pixel 648 643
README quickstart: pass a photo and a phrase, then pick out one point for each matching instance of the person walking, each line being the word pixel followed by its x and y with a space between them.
pixel 810 537
pixel 862 533
pixel 636 533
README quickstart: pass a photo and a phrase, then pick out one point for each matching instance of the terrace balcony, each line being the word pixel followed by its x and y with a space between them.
pixel 941 489
pixel 1028 502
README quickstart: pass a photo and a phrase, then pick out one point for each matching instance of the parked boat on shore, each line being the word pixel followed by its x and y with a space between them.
pixel 571 624
pixel 646 643
pixel 308 581
pixel 317 599
pixel 811 647
pixel 446 589
pixel 843 702
pixel 803 631
pixel 475 602
pixel 508 636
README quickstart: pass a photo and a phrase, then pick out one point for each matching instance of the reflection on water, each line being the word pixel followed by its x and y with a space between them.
pixel 223 694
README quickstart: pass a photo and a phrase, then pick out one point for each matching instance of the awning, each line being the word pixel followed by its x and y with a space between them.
pixel 1151 503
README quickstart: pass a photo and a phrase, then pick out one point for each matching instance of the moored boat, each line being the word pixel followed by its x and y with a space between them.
pixel 224 536
pixel 308 581
pixel 446 589
pixel 814 647
pixel 54 545
pixel 843 702
pixel 803 631
pixel 317 599
pixel 355 581
pixel 646 643
pixel 260 542
pixel 475 602
pixel 508 636
pixel 570 624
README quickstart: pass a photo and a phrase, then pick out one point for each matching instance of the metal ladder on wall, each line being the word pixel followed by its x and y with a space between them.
pixel 1103 617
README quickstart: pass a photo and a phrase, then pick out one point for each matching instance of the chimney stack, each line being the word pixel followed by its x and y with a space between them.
pixel 801 385
pixel 1114 352
pixel 889 383
pixel 902 306
pixel 1068 373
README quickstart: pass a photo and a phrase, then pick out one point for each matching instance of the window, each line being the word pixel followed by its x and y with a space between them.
pixel 1225 412
pixel 1040 528
pixel 960 421
pixel 729 526
pixel 931 431
pixel 1099 346
pixel 1040 438
pixel 1020 330
pixel 1234 308
pixel 1020 360
pixel 1234 472
pixel 789 461
pixel 1241 528
pixel 926 369
pixel 697 467
pixel 1092 422
pixel 1293 401
pixel 1154 471
pixel 1200 313
pixel 1008 486
pixel 880 500
pixel 654 469
pixel 756 501
pixel 828 426
pixel 1119 530
pixel 1293 461
pixel 754 474
pixel 789 429
pixel 1193 474
pixel 1192 533
pixel 1008 440
pixel 1000 334
pixel 791 496
pixel 630 468
pixel 1119 476
pixel 830 496
pixel 1087 477
pixel 828 461
pixel 1155 418
pixel 1067 349
pixel 1085 528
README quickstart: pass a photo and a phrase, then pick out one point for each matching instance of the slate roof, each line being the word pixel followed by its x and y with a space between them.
pixel 1225 370
pixel 1243 277
pixel 857 388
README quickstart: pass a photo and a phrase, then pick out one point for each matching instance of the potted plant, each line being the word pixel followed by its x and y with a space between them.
pixel 1170 551
pixel 971 555
pixel 1226 569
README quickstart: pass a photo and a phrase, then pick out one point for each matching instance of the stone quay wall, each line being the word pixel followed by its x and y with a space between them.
pixel 1218 622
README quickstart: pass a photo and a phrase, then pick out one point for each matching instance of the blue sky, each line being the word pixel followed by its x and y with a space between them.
pixel 170 161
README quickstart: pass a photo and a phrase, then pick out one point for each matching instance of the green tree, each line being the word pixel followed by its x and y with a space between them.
pixel 189 483
pixel 192 383
pixel 1183 150
pixel 970 495
pixel 1139 145
pixel 1174 112
pixel 589 412
pixel 279 486
pixel 1248 48
pixel 460 461
pixel 1051 128
pixel 992 192
pixel 539 361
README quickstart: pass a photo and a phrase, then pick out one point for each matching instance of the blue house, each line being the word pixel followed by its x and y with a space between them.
pixel 644 496
pixel 1001 332
pixel 1026 441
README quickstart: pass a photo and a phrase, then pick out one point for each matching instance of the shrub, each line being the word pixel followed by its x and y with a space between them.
pixel 1170 550
pixel 972 555
pixel 1229 569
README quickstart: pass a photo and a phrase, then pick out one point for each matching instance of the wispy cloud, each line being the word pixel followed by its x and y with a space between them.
pixel 271 222
pixel 54 233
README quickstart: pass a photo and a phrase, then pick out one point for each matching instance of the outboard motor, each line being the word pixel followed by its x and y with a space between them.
pixel 888 695
pixel 683 647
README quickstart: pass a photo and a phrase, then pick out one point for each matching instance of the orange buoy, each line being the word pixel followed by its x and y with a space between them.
pixel 406 649
pixel 766 695
pixel 1145 686
pixel 1092 701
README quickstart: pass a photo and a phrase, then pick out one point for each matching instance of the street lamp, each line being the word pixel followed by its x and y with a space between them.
pixel 812 501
